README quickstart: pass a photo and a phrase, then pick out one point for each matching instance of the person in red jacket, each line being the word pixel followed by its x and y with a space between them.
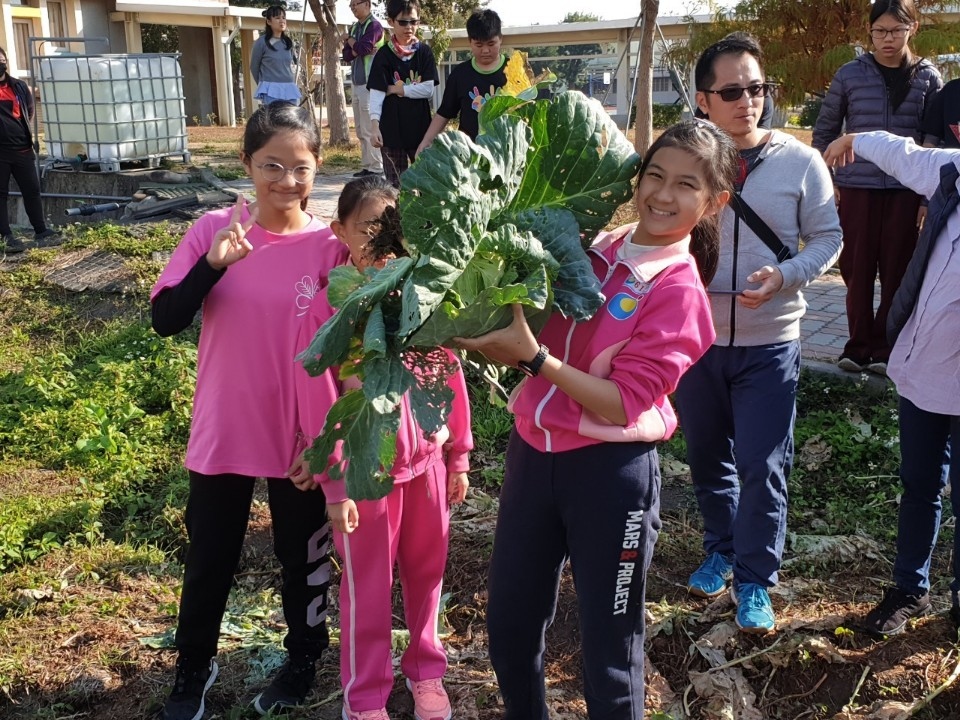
pixel 18 159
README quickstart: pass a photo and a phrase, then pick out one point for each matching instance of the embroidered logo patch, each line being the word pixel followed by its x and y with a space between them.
pixel 622 306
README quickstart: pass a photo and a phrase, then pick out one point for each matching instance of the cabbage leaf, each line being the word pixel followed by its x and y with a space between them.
pixel 488 223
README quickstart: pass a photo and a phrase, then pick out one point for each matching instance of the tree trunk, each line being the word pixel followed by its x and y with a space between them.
pixel 332 79
pixel 643 130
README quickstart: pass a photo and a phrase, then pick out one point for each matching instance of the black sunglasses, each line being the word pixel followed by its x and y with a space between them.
pixel 407 23
pixel 732 94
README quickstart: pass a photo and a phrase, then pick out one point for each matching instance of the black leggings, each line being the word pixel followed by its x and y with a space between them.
pixel 22 164
pixel 216 519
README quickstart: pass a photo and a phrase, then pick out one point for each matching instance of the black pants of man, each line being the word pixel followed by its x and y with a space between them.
pixel 216 519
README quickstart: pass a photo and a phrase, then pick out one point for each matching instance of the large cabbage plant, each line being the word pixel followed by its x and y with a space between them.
pixel 487 224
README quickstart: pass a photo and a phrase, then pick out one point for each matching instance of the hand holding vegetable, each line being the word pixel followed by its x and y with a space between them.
pixel 300 475
pixel 509 346
pixel 230 244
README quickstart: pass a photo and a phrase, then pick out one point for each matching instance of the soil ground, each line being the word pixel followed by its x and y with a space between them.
pixel 92 636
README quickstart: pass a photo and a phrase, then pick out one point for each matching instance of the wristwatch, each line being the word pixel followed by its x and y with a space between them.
pixel 531 368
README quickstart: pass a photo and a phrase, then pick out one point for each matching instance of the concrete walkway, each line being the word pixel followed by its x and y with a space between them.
pixel 823 328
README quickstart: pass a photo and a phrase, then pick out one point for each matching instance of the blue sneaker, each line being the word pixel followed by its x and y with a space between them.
pixel 754 611
pixel 710 579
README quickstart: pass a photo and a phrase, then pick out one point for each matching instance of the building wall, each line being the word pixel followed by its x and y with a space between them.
pixel 196 63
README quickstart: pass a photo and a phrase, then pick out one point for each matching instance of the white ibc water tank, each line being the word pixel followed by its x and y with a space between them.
pixel 113 108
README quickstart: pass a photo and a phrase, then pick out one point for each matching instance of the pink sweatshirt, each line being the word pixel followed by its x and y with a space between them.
pixel 415 452
pixel 244 408
pixel 655 324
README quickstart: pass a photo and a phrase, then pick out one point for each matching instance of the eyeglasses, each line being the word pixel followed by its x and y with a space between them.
pixel 881 33
pixel 275 172
pixel 732 94
pixel 358 4
pixel 407 23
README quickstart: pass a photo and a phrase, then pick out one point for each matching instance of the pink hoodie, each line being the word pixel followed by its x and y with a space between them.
pixel 415 452
pixel 654 325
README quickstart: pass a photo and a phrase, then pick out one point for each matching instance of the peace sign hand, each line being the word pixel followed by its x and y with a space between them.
pixel 230 244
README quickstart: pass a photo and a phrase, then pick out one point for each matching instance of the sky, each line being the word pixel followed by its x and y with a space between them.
pixel 549 12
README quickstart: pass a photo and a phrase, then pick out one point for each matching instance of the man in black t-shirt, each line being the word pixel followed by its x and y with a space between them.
pixel 941 124
pixel 472 82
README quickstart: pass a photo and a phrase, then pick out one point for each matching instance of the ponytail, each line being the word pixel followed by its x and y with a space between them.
pixel 705 246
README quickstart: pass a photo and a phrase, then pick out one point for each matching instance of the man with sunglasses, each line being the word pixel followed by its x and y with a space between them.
pixel 737 404
pixel 359 47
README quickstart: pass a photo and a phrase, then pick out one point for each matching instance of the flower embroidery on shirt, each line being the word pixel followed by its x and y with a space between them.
pixel 307 288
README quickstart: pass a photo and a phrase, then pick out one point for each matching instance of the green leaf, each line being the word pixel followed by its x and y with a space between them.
pixel 584 163
pixel 369 446
pixel 332 343
pixel 577 289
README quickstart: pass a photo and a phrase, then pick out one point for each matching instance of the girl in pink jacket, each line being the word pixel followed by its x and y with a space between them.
pixel 409 527
pixel 582 479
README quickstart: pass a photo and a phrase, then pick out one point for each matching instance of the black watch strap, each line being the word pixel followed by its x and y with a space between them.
pixel 531 368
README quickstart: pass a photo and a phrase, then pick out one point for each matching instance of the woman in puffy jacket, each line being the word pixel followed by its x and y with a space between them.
pixel 886 89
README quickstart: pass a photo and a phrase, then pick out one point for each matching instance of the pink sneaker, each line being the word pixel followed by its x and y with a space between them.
pixel 430 701
pixel 349 714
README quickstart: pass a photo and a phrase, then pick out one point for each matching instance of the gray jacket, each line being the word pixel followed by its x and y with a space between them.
pixel 272 65
pixel 790 189
pixel 858 97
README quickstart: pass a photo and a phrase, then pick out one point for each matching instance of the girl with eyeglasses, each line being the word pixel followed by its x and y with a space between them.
pixel 401 84
pixel 737 404
pixel 886 89
pixel 252 270
pixel 274 59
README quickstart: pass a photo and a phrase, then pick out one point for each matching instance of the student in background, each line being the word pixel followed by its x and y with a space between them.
pixel 274 59
pixel 401 84
pixel 474 81
pixel 887 89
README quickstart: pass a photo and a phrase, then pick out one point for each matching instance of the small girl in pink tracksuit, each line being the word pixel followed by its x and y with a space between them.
pixel 409 527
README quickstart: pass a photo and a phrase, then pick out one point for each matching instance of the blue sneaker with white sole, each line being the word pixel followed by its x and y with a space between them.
pixel 754 609
pixel 710 579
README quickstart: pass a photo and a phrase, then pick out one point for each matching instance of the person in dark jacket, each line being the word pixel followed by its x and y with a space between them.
pixel 17 158
pixel 941 125
pixel 887 89
pixel 924 329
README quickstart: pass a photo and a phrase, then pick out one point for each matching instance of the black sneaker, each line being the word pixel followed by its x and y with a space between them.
pixel 366 173
pixel 12 245
pixel 955 611
pixel 289 687
pixel 891 615
pixel 186 701
pixel 48 238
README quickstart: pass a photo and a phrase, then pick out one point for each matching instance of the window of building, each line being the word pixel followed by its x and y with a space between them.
pixel 662 84
pixel 56 15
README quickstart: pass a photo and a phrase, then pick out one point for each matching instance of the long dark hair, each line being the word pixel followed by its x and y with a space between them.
pixel 720 160
pixel 272 12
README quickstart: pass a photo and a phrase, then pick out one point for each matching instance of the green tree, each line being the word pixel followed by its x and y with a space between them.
pixel 805 41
